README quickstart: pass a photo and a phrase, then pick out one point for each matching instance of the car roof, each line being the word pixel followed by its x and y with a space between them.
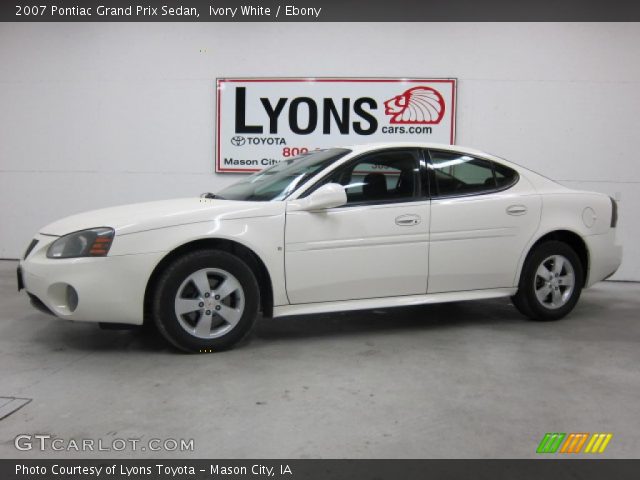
pixel 361 148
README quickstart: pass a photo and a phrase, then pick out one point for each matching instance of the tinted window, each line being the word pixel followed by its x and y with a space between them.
pixel 456 174
pixel 504 175
pixel 380 177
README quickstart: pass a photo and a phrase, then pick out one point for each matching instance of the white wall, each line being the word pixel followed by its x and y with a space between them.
pixel 93 115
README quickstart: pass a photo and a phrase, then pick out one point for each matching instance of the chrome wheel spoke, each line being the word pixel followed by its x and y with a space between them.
pixel 566 280
pixel 542 293
pixel 203 327
pixel 556 297
pixel 558 263
pixel 543 272
pixel 201 280
pixel 187 305
pixel 227 287
pixel 230 315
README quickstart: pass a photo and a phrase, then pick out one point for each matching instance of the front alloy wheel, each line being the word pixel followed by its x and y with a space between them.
pixel 205 301
pixel 550 283
pixel 209 303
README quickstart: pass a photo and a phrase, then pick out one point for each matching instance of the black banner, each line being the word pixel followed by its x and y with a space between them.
pixel 316 10
pixel 537 469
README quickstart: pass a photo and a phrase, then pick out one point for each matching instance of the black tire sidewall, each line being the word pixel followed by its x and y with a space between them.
pixel 167 287
pixel 527 294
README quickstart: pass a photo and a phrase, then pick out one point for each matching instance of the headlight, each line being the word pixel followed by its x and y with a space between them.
pixel 94 242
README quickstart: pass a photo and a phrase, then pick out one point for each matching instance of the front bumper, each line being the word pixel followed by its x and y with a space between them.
pixel 102 289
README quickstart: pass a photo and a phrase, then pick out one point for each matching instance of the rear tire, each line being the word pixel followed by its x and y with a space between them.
pixel 206 301
pixel 551 282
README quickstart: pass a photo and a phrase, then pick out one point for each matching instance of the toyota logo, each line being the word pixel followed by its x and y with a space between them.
pixel 238 141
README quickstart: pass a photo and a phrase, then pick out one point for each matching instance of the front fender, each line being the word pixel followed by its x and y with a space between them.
pixel 263 235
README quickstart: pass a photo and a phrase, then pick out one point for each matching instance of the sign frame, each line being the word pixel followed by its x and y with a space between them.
pixel 219 80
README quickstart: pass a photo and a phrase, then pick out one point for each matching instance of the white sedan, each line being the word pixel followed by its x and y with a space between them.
pixel 339 229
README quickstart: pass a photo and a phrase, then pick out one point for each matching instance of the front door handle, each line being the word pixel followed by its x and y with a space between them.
pixel 516 209
pixel 407 220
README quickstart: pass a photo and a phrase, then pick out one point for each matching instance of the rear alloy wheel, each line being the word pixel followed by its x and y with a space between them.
pixel 206 301
pixel 551 282
pixel 554 282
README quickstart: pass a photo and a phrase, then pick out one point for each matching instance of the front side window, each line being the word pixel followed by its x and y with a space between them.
pixel 279 181
pixel 457 174
pixel 386 176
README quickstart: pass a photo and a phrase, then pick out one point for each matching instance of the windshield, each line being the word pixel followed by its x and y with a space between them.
pixel 279 181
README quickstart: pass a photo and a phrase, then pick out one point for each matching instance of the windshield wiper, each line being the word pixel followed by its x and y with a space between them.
pixel 211 195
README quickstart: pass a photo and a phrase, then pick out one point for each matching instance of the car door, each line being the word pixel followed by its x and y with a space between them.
pixel 374 246
pixel 482 217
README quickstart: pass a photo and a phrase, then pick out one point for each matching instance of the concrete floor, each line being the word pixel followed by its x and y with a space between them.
pixel 463 380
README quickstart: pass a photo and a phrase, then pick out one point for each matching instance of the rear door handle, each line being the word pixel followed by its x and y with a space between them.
pixel 516 209
pixel 407 220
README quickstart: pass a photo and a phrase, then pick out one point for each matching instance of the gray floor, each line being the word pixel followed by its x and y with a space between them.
pixel 457 380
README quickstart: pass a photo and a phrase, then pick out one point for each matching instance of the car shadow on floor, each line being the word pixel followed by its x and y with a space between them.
pixel 400 319
pixel 58 335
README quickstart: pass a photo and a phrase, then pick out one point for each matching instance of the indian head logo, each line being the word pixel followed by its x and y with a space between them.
pixel 422 105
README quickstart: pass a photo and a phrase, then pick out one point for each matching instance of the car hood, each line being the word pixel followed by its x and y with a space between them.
pixel 165 213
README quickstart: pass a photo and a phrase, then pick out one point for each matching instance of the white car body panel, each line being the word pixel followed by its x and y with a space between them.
pixel 138 217
pixel 567 208
pixel 339 254
pixel 462 248
pixel 469 233
pixel 143 245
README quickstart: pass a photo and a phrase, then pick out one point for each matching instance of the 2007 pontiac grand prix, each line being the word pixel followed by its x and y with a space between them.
pixel 338 229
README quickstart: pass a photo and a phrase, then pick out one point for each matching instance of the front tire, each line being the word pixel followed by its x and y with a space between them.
pixel 206 301
pixel 551 282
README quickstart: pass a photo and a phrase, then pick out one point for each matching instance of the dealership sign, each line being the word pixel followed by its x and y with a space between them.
pixel 261 121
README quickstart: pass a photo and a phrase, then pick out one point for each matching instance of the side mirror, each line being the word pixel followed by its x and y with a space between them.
pixel 327 196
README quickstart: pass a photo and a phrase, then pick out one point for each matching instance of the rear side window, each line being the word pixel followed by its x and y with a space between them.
pixel 457 174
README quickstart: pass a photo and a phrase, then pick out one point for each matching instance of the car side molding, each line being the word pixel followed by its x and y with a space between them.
pixel 389 302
